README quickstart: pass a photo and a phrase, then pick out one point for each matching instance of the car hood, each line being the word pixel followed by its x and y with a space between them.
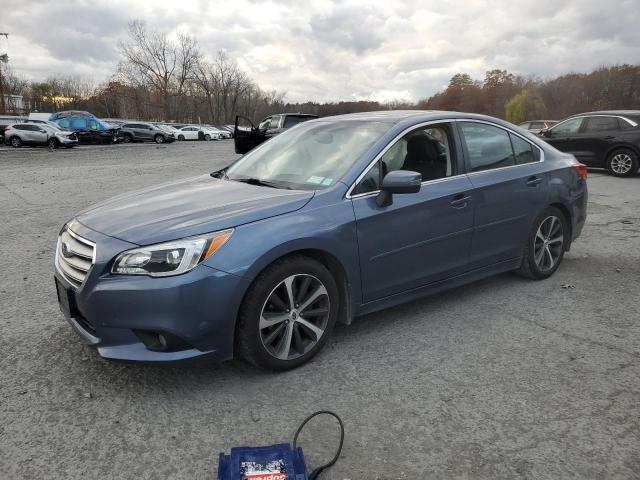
pixel 188 207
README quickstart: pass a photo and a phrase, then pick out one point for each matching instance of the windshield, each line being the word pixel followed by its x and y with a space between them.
pixel 310 156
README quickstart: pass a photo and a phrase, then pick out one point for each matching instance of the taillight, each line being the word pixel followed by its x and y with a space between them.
pixel 8 127
pixel 581 169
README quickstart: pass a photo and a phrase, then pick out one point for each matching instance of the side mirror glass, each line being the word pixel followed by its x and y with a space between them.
pixel 400 182
pixel 545 132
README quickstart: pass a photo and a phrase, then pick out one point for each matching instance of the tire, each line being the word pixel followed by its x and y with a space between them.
pixel 158 138
pixel 52 143
pixel 16 142
pixel 545 246
pixel 622 163
pixel 127 138
pixel 181 138
pixel 207 137
pixel 265 326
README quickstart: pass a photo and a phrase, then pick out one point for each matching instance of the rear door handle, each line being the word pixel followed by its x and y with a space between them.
pixel 460 201
pixel 534 181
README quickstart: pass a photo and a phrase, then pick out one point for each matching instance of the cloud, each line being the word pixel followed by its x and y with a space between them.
pixel 337 50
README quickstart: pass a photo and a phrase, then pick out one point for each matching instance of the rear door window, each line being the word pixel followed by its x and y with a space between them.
pixel 488 147
pixel 601 124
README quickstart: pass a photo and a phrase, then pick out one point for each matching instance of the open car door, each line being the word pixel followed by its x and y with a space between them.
pixel 246 136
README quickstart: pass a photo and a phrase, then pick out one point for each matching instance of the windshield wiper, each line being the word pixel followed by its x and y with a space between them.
pixel 260 182
pixel 222 173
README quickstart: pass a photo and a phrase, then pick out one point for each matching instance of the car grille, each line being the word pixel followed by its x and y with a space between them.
pixel 74 257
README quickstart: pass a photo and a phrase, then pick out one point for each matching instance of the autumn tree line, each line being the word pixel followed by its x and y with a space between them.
pixel 164 78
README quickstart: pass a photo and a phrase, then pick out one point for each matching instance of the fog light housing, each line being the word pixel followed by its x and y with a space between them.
pixel 162 341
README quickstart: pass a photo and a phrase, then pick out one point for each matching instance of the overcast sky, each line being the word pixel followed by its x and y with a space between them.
pixel 336 50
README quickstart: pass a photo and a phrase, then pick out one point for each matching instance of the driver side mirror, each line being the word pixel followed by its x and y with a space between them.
pixel 398 181
pixel 545 132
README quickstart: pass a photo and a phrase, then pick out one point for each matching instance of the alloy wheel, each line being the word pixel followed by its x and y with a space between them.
pixel 548 243
pixel 16 142
pixel 621 163
pixel 294 317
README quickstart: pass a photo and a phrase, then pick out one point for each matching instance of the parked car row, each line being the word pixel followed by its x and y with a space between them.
pixel 72 127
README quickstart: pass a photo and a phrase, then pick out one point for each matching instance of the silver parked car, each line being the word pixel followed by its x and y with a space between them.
pixel 39 134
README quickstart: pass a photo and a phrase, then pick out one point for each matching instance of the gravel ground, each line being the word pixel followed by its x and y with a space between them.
pixel 505 378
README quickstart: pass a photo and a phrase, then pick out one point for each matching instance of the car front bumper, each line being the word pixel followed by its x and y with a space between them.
pixel 109 311
pixel 66 141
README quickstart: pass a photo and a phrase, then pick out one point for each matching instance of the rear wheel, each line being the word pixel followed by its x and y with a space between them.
pixel 287 314
pixel 622 163
pixel 158 138
pixel 546 245
pixel 16 142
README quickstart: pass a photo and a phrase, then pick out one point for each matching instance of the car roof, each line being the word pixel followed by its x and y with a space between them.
pixel 408 116
pixel 623 113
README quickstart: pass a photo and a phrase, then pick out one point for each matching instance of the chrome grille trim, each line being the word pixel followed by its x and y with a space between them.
pixel 81 256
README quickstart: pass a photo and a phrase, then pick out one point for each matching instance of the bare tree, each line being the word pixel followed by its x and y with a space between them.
pixel 153 59
pixel 224 85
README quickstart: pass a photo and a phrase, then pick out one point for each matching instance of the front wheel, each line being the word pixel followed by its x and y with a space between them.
pixel 158 138
pixel 127 138
pixel 181 138
pixel 52 143
pixel 622 163
pixel 546 245
pixel 207 137
pixel 287 314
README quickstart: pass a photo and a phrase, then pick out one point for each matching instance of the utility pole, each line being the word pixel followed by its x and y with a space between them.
pixel 4 58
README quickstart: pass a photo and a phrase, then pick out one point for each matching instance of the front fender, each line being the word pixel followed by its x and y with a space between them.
pixel 329 229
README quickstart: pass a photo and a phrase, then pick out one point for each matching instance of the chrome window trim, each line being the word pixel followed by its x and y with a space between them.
pixel 348 195
pixel 628 120
pixel 508 130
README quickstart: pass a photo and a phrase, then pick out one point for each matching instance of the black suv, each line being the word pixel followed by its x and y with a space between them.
pixel 144 132
pixel 607 139
pixel 245 138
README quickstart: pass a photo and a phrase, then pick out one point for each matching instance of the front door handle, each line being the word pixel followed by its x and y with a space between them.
pixel 534 181
pixel 460 201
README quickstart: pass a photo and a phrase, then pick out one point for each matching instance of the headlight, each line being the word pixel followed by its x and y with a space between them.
pixel 171 258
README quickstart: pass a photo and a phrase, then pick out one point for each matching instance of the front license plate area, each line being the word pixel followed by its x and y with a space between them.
pixel 66 300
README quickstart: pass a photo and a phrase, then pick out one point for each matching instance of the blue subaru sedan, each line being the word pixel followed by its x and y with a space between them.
pixel 335 218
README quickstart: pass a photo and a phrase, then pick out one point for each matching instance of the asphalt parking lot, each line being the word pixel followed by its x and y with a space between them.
pixel 505 378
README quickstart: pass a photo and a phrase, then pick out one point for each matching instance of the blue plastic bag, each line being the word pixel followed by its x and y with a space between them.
pixel 274 462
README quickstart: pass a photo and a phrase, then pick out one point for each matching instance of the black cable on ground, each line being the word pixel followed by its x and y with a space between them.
pixel 315 473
